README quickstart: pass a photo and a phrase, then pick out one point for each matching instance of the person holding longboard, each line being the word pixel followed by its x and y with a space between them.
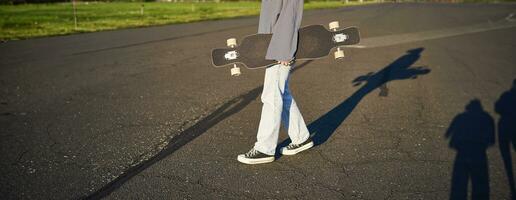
pixel 282 18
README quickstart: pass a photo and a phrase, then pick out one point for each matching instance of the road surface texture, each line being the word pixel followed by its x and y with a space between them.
pixel 141 114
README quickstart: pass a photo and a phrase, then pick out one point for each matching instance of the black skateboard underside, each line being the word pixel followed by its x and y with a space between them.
pixel 315 41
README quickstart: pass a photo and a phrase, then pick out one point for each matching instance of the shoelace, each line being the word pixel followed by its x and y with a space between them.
pixel 292 146
pixel 251 153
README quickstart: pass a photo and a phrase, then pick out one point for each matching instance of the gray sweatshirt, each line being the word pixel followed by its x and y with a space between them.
pixel 282 18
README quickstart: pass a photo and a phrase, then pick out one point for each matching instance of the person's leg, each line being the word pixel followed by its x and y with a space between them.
pixel 292 118
pixel 273 89
pixel 295 124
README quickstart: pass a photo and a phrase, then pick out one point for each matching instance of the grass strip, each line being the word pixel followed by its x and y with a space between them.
pixel 37 20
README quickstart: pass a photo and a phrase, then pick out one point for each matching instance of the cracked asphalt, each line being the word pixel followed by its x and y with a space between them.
pixel 141 114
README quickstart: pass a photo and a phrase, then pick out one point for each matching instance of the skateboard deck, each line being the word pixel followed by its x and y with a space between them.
pixel 315 41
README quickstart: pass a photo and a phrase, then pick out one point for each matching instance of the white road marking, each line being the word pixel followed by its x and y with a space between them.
pixel 356 46
pixel 390 40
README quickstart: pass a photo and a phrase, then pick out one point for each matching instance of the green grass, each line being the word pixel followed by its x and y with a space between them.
pixel 36 20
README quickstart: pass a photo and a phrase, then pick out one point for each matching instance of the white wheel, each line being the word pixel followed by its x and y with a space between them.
pixel 339 54
pixel 231 42
pixel 235 71
pixel 334 25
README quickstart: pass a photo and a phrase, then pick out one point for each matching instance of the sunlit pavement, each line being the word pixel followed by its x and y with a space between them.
pixel 141 114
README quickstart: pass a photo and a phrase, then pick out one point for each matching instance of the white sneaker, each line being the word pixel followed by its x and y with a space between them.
pixel 293 149
pixel 255 157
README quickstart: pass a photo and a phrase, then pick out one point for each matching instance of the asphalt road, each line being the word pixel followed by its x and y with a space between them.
pixel 141 114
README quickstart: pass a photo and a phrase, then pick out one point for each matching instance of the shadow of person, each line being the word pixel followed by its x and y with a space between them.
pixel 506 108
pixel 322 128
pixel 471 133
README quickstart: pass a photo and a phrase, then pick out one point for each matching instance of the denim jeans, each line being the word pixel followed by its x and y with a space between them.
pixel 278 106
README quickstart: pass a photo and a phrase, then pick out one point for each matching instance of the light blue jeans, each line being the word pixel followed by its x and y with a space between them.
pixel 278 106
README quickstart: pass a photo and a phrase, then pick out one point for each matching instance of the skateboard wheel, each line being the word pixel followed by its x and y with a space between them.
pixel 339 54
pixel 231 42
pixel 334 25
pixel 235 71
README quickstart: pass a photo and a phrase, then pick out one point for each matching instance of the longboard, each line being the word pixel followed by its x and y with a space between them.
pixel 315 41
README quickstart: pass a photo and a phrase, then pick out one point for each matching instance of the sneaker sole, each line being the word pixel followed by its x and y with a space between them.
pixel 286 152
pixel 255 161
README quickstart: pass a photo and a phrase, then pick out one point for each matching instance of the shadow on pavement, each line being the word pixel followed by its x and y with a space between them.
pixel 471 133
pixel 322 128
pixel 506 108
pixel 229 108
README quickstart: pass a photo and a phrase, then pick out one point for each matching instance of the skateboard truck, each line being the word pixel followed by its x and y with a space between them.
pixel 231 55
pixel 340 37
pixel 334 25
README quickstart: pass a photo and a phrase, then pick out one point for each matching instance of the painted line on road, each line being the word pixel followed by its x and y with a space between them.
pixel 390 40
pixel 357 46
